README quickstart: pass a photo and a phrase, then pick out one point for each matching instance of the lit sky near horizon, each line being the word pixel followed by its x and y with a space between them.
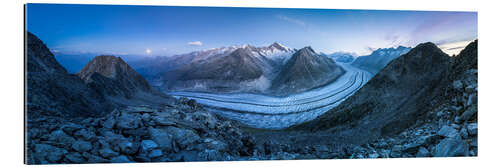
pixel 167 30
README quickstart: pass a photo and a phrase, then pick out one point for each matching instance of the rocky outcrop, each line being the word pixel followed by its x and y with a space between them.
pixel 51 91
pixel 305 70
pixel 182 131
pixel 112 76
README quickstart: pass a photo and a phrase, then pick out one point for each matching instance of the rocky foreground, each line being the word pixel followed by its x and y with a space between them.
pixel 178 132
pixel 449 130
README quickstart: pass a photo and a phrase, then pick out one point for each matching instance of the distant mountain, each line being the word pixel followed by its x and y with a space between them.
pixel 305 70
pixel 276 52
pixel 394 98
pixel 112 75
pixel 52 91
pixel 74 61
pixel 152 67
pixel 236 71
pixel 343 57
pixel 228 69
pixel 379 58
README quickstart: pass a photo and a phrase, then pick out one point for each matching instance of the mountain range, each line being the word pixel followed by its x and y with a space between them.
pixel 243 68
pixel 343 57
pixel 379 58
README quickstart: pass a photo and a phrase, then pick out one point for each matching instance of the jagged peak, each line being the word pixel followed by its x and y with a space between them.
pixel 427 46
pixel 109 58
pixel 279 46
pixel 40 58
pixel 108 66
pixel 307 49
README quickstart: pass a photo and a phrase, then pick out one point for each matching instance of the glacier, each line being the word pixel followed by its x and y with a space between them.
pixel 271 112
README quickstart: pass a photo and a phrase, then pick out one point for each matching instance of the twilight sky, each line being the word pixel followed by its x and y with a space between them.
pixel 166 30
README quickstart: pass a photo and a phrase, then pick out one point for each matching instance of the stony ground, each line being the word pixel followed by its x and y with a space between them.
pixel 185 132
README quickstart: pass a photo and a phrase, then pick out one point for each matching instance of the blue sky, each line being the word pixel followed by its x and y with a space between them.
pixel 167 30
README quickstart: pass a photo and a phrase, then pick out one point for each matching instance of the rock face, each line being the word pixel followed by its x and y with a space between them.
pixel 52 91
pixel 305 70
pixel 379 58
pixel 113 76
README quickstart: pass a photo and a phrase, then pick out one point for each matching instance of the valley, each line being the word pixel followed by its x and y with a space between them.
pixel 272 112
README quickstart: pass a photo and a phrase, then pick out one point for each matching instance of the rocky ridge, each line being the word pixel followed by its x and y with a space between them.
pixel 51 91
pixel 112 76
pixel 305 70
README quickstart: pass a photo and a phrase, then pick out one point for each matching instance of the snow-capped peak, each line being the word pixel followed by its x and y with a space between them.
pixel 279 46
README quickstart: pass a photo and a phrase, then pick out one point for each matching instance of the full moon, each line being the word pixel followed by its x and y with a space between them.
pixel 148 51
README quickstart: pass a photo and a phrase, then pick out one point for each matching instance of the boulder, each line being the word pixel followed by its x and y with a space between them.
pixel 58 136
pixel 161 137
pixel 120 159
pixel 109 123
pixel 139 132
pixel 183 137
pixel 75 157
pixel 49 153
pixel 147 145
pixel 85 134
pixel 128 147
pixel 463 133
pixel 155 153
pixel 451 147
pixel 107 153
pixel 447 131
pixel 128 121
pixel 81 146
pixel 472 129
pixel 373 155
pixel 396 151
pixel 215 145
pixel 146 117
pixel 71 127
pixel 469 112
pixel 162 121
pixel 423 152
pixel 91 158
pixel 458 85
